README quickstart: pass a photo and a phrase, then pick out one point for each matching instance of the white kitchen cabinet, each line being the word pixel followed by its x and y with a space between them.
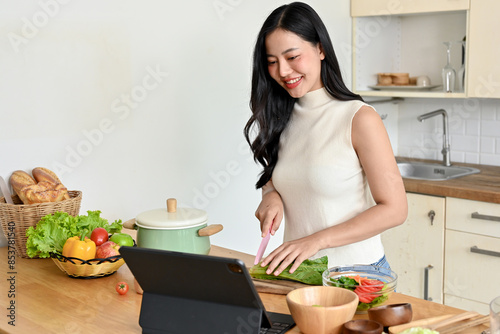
pixel 462 245
pixel 472 253
pixel 391 7
pixel 407 36
pixel 484 54
pixel 415 249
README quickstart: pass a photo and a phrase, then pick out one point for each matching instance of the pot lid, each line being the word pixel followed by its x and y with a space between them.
pixel 171 217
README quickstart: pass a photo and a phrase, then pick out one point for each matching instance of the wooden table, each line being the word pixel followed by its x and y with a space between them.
pixel 46 300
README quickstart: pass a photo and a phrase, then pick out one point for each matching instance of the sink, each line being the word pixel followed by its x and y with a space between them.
pixel 433 172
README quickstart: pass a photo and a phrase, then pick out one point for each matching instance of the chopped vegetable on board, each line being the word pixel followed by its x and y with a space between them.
pixel 309 272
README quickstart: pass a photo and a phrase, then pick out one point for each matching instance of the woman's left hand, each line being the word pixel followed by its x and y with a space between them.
pixel 295 251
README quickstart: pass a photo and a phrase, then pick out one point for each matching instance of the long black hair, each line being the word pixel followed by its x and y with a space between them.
pixel 270 103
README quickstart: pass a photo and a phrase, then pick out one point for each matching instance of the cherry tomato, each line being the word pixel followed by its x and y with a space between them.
pixel 121 288
pixel 99 236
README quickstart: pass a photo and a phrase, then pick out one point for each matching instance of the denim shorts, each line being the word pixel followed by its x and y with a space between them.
pixel 382 263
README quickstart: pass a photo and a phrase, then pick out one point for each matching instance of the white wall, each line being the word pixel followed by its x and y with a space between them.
pixel 133 102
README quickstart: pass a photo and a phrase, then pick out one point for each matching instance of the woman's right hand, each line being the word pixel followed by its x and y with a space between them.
pixel 270 210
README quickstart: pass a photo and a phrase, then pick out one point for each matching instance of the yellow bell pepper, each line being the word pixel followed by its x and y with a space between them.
pixel 79 247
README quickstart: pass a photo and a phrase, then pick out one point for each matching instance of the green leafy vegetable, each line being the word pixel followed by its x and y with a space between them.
pixel 52 231
pixel 375 302
pixel 309 272
pixel 345 282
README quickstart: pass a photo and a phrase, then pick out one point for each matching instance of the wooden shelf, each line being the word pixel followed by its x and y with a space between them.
pixel 424 94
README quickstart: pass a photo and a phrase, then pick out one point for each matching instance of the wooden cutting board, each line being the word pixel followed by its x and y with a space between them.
pixel 278 287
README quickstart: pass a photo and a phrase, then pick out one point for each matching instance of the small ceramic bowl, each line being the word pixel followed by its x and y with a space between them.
pixel 392 314
pixel 362 326
pixel 423 81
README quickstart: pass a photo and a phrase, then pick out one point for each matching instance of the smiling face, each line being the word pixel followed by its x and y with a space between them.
pixel 294 63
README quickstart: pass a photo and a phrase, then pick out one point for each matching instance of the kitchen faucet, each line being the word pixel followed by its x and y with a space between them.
pixel 446 140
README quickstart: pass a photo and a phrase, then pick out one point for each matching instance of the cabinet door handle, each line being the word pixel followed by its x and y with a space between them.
pixel 426 282
pixel 431 215
pixel 477 215
pixel 475 249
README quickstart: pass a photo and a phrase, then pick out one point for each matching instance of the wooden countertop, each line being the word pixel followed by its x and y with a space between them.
pixel 484 186
pixel 47 301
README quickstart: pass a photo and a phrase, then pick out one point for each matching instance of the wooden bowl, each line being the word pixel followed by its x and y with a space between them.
pixel 400 79
pixel 362 326
pixel 392 314
pixel 384 79
pixel 321 309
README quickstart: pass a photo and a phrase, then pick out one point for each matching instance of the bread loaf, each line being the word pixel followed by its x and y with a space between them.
pixel 43 174
pixel 48 188
pixel 19 180
pixel 43 192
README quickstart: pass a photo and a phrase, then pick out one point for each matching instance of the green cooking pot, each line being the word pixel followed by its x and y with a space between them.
pixel 174 229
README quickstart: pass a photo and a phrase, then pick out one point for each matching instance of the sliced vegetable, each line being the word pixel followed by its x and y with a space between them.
pixel 365 288
pixel 309 272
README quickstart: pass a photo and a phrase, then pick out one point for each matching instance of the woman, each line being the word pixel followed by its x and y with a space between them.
pixel 328 166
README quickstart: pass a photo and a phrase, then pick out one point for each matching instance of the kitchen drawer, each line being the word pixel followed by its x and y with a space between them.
pixel 391 7
pixel 466 304
pixel 469 274
pixel 473 216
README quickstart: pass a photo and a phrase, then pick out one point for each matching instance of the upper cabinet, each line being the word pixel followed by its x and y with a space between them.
pixel 407 36
pixel 397 7
pixel 484 49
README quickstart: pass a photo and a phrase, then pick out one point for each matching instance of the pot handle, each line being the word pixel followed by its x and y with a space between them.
pixel 210 230
pixel 130 224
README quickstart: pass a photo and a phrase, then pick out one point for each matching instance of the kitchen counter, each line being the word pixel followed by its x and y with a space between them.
pixel 484 186
pixel 46 300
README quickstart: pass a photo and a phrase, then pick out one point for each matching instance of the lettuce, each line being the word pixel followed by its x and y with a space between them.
pixel 52 231
pixel 309 272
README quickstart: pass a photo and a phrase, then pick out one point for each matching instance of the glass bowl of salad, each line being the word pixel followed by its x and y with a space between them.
pixel 372 284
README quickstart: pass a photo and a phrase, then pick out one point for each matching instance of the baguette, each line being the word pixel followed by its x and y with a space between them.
pixel 43 174
pixel 44 192
pixel 44 187
pixel 19 180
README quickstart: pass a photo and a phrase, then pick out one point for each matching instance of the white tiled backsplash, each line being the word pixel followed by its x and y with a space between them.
pixel 474 126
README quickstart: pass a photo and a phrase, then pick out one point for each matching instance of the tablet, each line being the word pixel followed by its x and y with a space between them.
pixel 193 293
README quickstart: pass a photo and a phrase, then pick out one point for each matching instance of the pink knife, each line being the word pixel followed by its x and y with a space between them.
pixel 263 245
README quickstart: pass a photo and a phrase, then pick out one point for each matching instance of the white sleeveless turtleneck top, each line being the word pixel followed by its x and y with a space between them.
pixel 319 176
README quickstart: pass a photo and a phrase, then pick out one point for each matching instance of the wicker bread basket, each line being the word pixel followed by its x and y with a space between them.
pixel 94 268
pixel 17 218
